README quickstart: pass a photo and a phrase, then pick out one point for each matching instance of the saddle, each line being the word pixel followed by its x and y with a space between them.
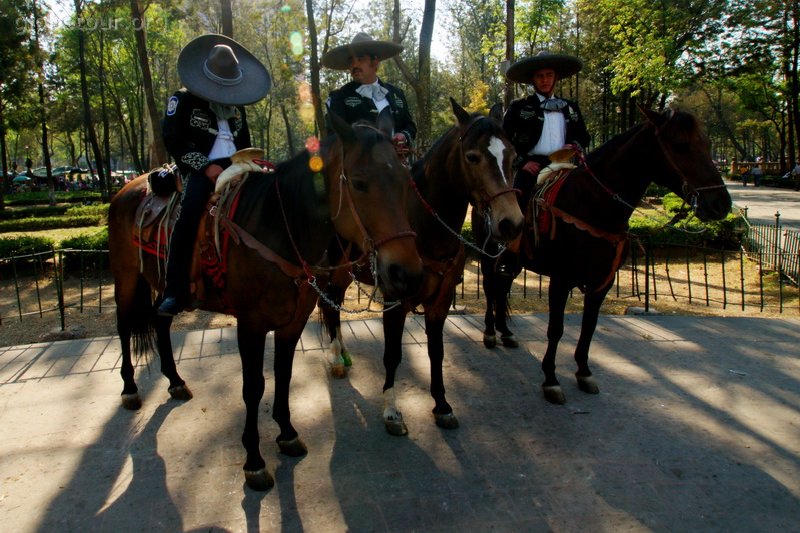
pixel 159 208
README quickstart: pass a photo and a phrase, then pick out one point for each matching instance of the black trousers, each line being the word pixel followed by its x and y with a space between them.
pixel 525 181
pixel 196 190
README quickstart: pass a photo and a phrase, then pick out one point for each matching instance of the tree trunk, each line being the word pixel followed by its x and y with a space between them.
pixel 87 105
pixel 158 153
pixel 421 82
pixel 287 123
pixel 319 116
pixel 508 95
pixel 227 18
pixel 48 165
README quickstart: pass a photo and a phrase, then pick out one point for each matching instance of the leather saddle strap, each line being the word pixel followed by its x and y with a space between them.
pixel 239 234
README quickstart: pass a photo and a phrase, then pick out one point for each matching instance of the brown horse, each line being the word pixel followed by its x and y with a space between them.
pixel 469 164
pixel 283 224
pixel 586 239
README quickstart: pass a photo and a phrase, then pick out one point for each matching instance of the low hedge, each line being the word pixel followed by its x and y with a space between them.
pixel 33 211
pixel 44 223
pixel 16 246
pixel 43 197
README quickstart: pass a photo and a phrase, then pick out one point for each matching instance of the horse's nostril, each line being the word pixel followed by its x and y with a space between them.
pixel 403 283
pixel 508 230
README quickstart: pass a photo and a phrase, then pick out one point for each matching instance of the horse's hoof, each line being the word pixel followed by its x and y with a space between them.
pixel 181 393
pixel 259 480
pixel 554 394
pixel 293 448
pixel 395 426
pixel 338 371
pixel 348 361
pixel 132 402
pixel 448 421
pixel 509 341
pixel 490 341
pixel 588 384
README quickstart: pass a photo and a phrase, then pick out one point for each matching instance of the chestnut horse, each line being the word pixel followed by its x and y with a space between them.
pixel 469 164
pixel 587 240
pixel 283 224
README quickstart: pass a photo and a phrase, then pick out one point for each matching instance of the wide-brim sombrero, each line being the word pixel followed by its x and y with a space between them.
pixel 564 65
pixel 338 58
pixel 242 80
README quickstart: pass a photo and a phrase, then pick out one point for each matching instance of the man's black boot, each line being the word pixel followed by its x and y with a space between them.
pixel 171 306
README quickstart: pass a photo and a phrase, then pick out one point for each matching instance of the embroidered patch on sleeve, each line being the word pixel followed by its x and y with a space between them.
pixel 172 105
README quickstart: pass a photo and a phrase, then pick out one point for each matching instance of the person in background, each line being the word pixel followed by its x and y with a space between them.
pixel 204 124
pixel 538 125
pixel 367 95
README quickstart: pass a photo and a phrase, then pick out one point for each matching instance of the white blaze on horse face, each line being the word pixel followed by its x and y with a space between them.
pixel 496 148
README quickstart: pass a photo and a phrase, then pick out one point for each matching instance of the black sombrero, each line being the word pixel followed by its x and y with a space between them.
pixel 564 65
pixel 339 58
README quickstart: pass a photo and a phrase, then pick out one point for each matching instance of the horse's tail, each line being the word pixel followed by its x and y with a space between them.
pixel 143 316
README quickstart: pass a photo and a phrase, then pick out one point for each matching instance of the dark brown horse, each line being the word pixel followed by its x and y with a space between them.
pixel 586 239
pixel 283 224
pixel 469 164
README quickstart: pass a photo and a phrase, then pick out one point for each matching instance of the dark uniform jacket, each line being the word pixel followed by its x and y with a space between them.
pixel 190 129
pixel 524 120
pixel 352 107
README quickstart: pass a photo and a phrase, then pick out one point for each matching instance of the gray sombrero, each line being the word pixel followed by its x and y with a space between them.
pixel 339 58
pixel 218 69
pixel 564 65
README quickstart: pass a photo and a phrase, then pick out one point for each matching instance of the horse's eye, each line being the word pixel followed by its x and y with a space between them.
pixel 360 185
pixel 473 157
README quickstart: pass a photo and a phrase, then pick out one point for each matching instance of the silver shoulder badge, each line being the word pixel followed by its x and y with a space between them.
pixel 172 105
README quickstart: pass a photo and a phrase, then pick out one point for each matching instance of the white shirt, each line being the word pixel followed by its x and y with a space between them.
pixel 379 104
pixel 554 132
pixel 223 145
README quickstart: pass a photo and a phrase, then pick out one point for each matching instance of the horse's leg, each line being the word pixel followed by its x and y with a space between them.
pixel 557 296
pixel 502 289
pixel 393 323
pixel 177 387
pixel 251 350
pixel 340 357
pixel 286 340
pixel 591 310
pixel 442 411
pixel 487 269
pixel 134 309
pixel 130 392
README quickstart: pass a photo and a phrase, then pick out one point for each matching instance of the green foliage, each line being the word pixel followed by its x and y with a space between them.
pixel 36 224
pixel 33 211
pixel 87 241
pixel 42 198
pixel 16 246
pixel 88 210
pixel 674 225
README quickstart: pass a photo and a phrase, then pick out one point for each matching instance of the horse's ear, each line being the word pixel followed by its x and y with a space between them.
pixel 656 119
pixel 342 129
pixel 496 112
pixel 459 112
pixel 385 122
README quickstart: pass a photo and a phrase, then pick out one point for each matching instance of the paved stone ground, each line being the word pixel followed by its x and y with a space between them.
pixel 696 428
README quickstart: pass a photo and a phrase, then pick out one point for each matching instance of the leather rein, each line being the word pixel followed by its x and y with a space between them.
pixel 620 240
pixel 307 271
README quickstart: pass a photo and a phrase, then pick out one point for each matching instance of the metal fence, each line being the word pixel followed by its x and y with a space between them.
pixel 760 277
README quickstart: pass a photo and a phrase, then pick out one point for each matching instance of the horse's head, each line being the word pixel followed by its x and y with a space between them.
pixel 688 169
pixel 369 188
pixel 485 156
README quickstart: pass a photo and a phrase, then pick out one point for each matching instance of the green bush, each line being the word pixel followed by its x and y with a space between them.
pixel 91 209
pixel 43 197
pixel 43 223
pixel 87 241
pixel 24 245
pixel 33 211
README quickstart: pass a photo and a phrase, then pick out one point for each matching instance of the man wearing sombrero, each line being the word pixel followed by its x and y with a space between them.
pixel 539 125
pixel 203 126
pixel 367 95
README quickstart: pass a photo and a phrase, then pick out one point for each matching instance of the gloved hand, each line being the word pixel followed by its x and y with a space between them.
pixel 532 167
